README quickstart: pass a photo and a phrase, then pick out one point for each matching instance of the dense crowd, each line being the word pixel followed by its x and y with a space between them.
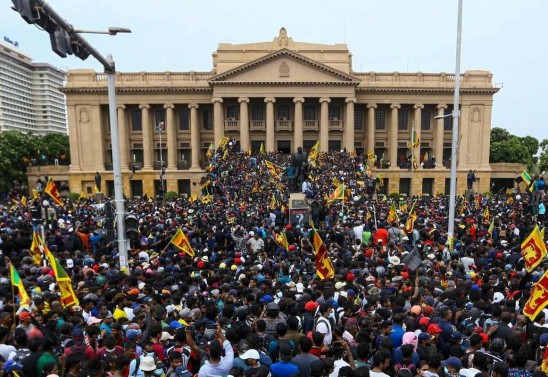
pixel 243 305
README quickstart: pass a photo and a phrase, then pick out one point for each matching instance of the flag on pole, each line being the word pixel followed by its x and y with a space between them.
pixel 272 168
pixel 538 298
pixel 410 222
pixel 526 178
pixel 35 247
pixel 35 194
pixel 193 198
pixel 392 214
pixel 371 155
pixel 206 199
pixel 249 151
pixel 491 227
pixel 225 155
pixel 68 297
pixel 415 139
pixel 281 240
pixel 210 151
pixel 313 153
pixel 533 249
pixel 23 201
pixel 24 299
pixel 51 190
pixel 261 149
pixel 180 241
pixel 224 140
pixel 324 267
pixel 273 202
pixel 486 215
pixel 336 182
pixel 338 194
pixel 425 158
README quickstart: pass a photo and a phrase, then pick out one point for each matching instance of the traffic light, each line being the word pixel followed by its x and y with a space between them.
pixel 132 226
pixel 27 9
pixel 60 42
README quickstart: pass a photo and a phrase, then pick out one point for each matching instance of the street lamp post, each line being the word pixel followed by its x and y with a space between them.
pixel 455 135
pixel 67 40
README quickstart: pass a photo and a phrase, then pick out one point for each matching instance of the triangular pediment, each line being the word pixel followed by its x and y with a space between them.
pixel 283 66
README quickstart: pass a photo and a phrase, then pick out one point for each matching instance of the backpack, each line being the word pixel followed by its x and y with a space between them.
pixel 20 355
pixel 185 352
pixel 410 367
pixel 264 342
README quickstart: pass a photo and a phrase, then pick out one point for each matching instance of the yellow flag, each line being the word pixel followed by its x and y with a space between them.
pixel 193 198
pixel 223 141
pixel 35 194
pixel 206 199
pixel 24 201
pixel 249 151
pixel 225 155
pixel 180 241
pixel 336 181
pixel 392 214
pixel 261 150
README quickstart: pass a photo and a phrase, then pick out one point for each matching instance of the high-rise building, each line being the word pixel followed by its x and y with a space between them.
pixel 282 94
pixel 30 99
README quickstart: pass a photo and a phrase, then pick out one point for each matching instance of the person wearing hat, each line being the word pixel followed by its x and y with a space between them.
pixel 451 366
pixel 147 366
pixel 251 358
pixel 24 321
pixel 216 364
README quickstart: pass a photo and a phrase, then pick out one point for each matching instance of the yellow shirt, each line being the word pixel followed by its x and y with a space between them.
pixel 119 313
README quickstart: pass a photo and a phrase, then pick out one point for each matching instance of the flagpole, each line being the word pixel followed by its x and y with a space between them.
pixel 41 227
pixel 412 158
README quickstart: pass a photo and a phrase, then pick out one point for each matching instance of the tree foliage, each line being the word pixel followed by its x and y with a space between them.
pixel 543 158
pixel 506 147
pixel 19 151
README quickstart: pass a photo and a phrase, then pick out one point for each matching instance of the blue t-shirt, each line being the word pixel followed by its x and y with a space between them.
pixel 283 369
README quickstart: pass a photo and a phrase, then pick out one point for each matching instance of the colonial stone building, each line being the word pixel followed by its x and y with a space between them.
pixel 283 94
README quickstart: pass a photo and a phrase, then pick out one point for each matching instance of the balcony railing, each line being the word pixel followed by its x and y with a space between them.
pixel 157 165
pixel 257 125
pixel 284 125
pixel 108 166
pixel 335 124
pixel 183 165
pixel 310 125
pixel 232 124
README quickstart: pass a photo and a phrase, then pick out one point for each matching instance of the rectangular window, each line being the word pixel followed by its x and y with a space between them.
pixel 426 118
pixel 283 112
pixel 232 112
pixel 380 119
pixel 358 119
pixel 159 117
pixel 334 112
pixel 403 119
pixel 309 112
pixel 448 123
pixel 334 145
pixel 136 123
pixel 207 119
pixel 184 121
pixel 257 112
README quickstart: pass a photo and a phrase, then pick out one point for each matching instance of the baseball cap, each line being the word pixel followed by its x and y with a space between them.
pixel 250 354
pixel 452 362
pixel 133 333
pixel 310 306
pixel 424 321
pixel 424 336
pixel 266 298
pixel 434 328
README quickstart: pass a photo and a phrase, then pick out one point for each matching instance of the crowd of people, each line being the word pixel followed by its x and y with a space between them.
pixel 244 305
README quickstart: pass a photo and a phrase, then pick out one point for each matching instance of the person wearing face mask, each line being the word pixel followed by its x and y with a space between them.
pixel 451 367
pixel 423 369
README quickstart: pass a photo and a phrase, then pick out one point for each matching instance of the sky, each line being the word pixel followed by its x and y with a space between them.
pixel 506 37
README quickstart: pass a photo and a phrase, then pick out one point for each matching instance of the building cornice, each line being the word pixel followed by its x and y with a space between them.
pixel 167 89
pixel 492 90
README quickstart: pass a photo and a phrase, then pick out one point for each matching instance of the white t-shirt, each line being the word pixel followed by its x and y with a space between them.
pixel 323 326
pixel 377 374
pixel 338 364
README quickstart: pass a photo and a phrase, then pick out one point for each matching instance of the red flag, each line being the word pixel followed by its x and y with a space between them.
pixel 324 267
pixel 538 299
pixel 533 249
pixel 51 190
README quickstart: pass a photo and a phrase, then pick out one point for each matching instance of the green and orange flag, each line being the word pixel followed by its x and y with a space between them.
pixel 24 299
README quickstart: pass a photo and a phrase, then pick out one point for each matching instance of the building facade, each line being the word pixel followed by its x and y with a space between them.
pixel 283 94
pixel 30 96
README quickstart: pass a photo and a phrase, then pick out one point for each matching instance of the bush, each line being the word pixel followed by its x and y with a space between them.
pixel 488 194
pixel 394 195
pixel 73 196
pixel 170 195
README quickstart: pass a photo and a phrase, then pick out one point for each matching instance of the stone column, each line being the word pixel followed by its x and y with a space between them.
pixel 270 142
pixel 324 124
pixel 349 125
pixel 393 138
pixel 148 145
pixel 218 120
pixel 418 129
pixel 298 130
pixel 465 157
pixel 194 137
pixel 123 137
pixel 244 124
pixel 438 138
pixel 171 130
pixel 370 138
pixel 486 141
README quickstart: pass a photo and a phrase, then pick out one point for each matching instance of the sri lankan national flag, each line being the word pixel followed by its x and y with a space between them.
pixel 272 168
pixel 392 214
pixel 486 215
pixel 180 241
pixel 410 223
pixel 206 199
pixel 281 240
pixel 224 140
pixel 324 267
pixel 538 298
pixel 51 190
pixel 273 202
pixel 256 187
pixel 210 151
pixel 35 251
pixel 23 201
pixel 533 249
pixel 338 194
pixel 68 298
pixel 415 140
pixel 313 153
pixel 371 155
pixel 336 182
pixel 24 299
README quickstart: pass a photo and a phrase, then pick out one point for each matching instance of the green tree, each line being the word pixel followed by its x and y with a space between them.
pixel 506 147
pixel 543 157
pixel 17 150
